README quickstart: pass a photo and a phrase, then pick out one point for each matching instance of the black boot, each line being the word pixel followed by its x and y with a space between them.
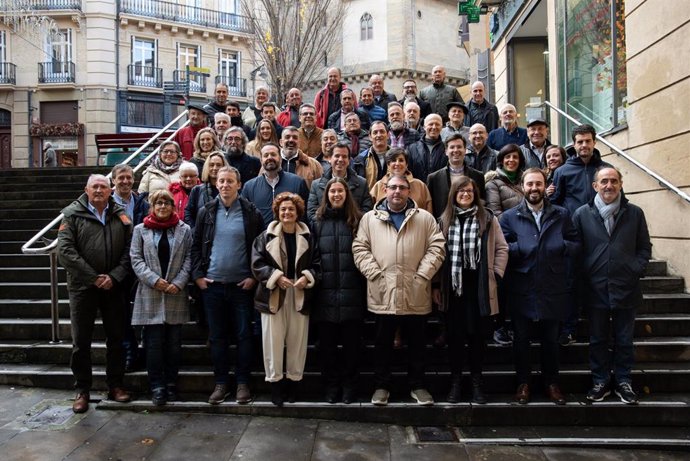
pixel 277 393
pixel 454 394
pixel 290 390
pixel 477 392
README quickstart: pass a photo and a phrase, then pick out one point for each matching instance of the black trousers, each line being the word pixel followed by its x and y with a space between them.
pixel 414 327
pixel 83 308
pixel 340 369
pixel 458 335
pixel 547 332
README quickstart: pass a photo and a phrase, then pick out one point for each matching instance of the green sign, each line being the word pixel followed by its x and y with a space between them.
pixel 473 18
pixel 464 7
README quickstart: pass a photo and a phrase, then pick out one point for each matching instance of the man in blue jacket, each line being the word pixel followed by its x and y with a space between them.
pixel 541 240
pixel 616 250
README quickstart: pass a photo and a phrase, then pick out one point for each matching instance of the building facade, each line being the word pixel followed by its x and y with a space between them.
pixel 113 66
pixel 619 65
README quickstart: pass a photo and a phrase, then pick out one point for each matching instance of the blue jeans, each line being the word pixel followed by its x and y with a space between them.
pixel 226 303
pixel 604 323
pixel 163 345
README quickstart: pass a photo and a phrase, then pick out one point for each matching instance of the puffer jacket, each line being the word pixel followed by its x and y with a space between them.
pixel 398 265
pixel 269 261
pixel 501 193
pixel 341 295
pixel 155 179
pixel 87 248
pixel 419 192
pixel 356 184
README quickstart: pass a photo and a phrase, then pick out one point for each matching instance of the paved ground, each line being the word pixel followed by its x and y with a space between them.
pixel 38 424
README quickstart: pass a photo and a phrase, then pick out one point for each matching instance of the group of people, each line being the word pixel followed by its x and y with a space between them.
pixel 489 226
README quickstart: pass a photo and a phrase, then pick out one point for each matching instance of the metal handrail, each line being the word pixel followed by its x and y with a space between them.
pixel 662 181
pixel 51 248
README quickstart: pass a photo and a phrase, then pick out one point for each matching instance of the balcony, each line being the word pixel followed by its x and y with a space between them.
pixel 186 14
pixel 237 87
pixel 150 77
pixel 8 73
pixel 35 5
pixel 197 83
pixel 56 72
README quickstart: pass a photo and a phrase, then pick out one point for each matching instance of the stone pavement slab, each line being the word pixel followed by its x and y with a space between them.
pixel 276 439
pixel 505 453
pixel 403 448
pixel 351 441
pixel 570 454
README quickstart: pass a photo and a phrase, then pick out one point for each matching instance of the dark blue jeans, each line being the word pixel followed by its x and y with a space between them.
pixel 226 304
pixel 163 349
pixel 547 332
pixel 604 324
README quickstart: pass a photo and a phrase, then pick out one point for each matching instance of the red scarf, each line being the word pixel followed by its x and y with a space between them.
pixel 152 222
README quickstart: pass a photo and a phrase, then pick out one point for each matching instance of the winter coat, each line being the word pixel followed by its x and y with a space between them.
pixel 484 113
pixel 251 116
pixel 154 179
pixel 501 193
pixel 247 165
pixel 185 139
pixel 439 187
pixel 322 103
pixel 384 100
pixel 409 137
pixel 367 165
pixel 284 118
pixel 341 295
pixel 375 113
pixel 202 244
pixel 363 138
pixel 335 120
pixel 356 184
pixel 483 161
pixel 180 196
pixel 422 162
pixel 536 280
pixel 531 158
pixel 87 248
pixel 303 166
pixel 198 197
pixel 500 137
pixel 573 181
pixel 418 191
pixel 261 194
pixel 153 307
pixel 269 260
pixel 612 265
pixel 450 129
pixel 439 96
pixel 424 107
pixel 398 265
pixel 310 144
pixel 492 264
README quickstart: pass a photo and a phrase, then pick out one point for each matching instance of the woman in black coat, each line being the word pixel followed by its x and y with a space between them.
pixel 340 299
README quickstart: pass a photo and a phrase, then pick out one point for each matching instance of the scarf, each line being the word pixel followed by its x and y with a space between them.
pixel 608 212
pixel 152 222
pixel 464 245
pixel 512 176
pixel 167 169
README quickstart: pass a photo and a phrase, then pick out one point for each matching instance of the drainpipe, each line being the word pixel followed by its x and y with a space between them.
pixel 413 9
pixel 29 111
pixel 117 66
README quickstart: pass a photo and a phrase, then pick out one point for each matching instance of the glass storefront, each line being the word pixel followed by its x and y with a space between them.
pixel 592 61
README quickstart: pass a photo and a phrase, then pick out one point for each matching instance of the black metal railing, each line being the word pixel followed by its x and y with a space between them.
pixel 186 14
pixel 236 86
pixel 197 82
pixel 148 76
pixel 50 5
pixel 56 72
pixel 8 73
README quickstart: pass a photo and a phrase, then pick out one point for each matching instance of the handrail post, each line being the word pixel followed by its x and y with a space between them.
pixel 54 308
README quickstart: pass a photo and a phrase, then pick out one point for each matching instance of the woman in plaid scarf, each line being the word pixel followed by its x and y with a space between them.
pixel 476 257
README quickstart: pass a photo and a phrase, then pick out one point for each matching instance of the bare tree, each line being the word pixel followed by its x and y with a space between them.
pixel 22 17
pixel 292 37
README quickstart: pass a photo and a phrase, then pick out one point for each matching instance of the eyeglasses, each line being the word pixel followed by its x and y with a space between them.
pixel 409 87
pixel 169 151
pixel 163 203
pixel 234 138
pixel 308 114
pixel 398 187
pixel 465 192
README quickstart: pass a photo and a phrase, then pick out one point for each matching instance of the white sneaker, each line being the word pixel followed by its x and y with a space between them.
pixel 380 397
pixel 422 396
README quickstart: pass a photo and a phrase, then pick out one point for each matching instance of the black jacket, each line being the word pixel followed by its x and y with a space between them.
pixel 200 195
pixel 612 265
pixel 202 243
pixel 247 165
pixel 422 161
pixel 439 187
pixel 341 295
pixel 424 107
pixel 358 189
pixel 573 181
pixel 334 120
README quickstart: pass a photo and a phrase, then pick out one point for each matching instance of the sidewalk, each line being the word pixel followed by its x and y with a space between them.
pixel 38 424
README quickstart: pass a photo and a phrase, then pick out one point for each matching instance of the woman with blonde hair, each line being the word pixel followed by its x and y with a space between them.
pixel 265 133
pixel 205 142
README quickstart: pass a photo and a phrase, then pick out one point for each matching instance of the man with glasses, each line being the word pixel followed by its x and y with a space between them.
pixel 410 95
pixel 309 133
pixel 234 142
pixel 399 248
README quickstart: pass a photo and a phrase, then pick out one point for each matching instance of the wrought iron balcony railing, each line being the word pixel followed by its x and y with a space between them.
pixel 147 76
pixel 56 72
pixel 186 14
pixel 8 73
pixel 237 87
pixel 197 83
pixel 34 5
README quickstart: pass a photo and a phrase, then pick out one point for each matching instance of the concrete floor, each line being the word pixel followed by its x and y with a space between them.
pixel 38 424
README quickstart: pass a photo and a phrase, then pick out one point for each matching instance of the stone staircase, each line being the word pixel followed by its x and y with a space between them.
pixel 31 198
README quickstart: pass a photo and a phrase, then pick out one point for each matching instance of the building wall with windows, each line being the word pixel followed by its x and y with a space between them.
pixel 110 69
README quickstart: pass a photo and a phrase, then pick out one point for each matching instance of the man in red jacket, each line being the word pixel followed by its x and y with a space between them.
pixel 290 115
pixel 327 100
pixel 185 136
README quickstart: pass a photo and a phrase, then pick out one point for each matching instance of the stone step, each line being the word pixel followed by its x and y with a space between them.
pixel 33 225
pixel 662 284
pixel 9 235
pixel 43 213
pixel 41 193
pixel 75 188
pixel 42 172
pixel 11 247
pixel 20 182
pixel 47 202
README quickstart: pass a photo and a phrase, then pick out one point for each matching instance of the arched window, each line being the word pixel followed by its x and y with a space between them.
pixel 366 27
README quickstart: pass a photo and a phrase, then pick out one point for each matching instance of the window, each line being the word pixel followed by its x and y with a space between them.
pixel 592 61
pixel 144 57
pixel 189 55
pixel 228 6
pixel 228 67
pixel 366 27
pixel 3 47
pixel 58 48
pixel 144 113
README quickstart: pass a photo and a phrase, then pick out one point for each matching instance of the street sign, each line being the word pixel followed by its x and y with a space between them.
pixel 201 70
pixel 473 18
pixel 464 7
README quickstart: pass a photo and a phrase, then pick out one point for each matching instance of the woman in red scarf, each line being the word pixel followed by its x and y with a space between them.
pixel 189 177
pixel 161 259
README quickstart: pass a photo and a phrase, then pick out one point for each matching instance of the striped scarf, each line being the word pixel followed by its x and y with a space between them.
pixel 464 245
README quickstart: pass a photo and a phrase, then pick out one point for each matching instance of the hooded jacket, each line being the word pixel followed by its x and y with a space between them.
pixel 573 181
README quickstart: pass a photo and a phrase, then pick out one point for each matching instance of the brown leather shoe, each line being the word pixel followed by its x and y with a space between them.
pixel 555 394
pixel 119 395
pixel 522 394
pixel 81 403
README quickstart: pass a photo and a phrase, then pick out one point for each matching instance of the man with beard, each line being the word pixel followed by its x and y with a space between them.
pixel 456 121
pixel 381 98
pixel 412 117
pixel 541 241
pixel 428 154
pixel 290 115
pixel 371 164
pixel 479 155
pixel 348 105
pixel 252 114
pixel 399 134
pixel 357 138
pixel 185 136
pixel 439 94
pixel 309 133
pixel 273 180
pixel 509 132
pixel 534 150
pixel 410 95
pixel 220 101
pixel 327 100
pixel 481 110
pixel 234 143
pixel 294 160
